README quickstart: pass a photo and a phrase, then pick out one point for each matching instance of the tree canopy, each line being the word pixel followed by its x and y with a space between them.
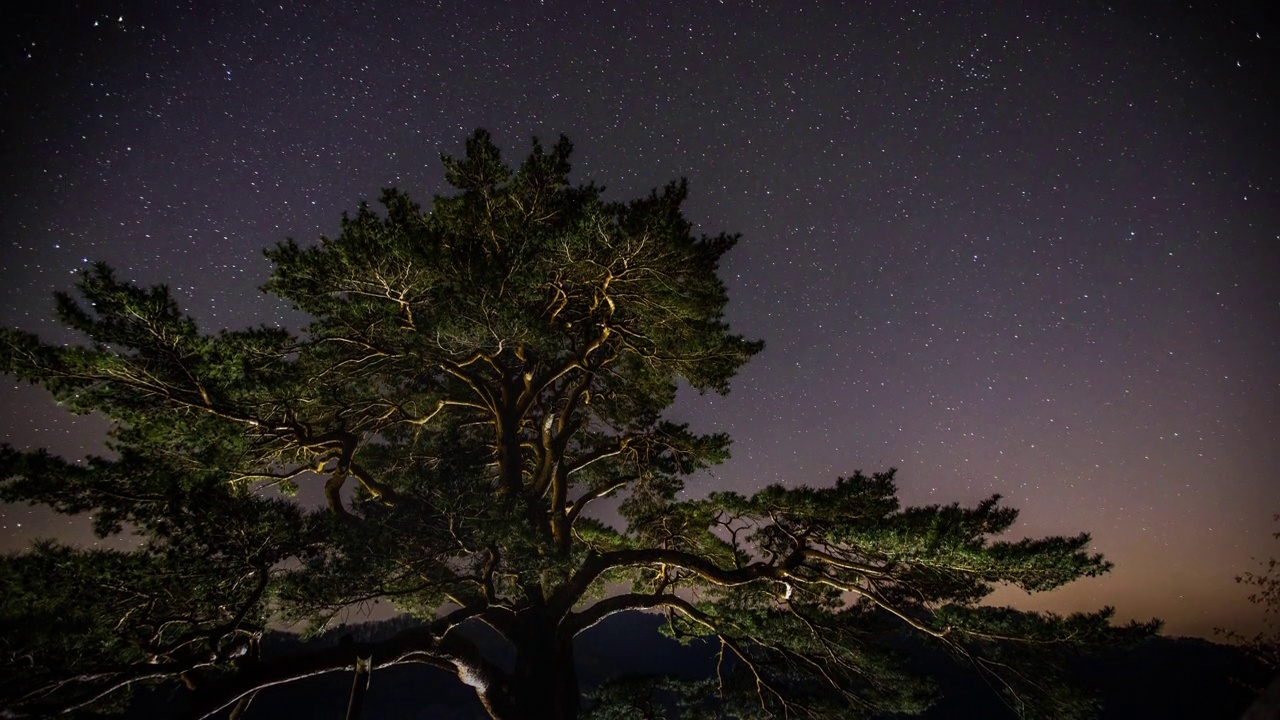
pixel 472 379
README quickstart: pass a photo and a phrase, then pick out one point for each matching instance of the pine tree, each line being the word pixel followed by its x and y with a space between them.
pixel 472 380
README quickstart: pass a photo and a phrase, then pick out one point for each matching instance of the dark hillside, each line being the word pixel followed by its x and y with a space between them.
pixel 1165 678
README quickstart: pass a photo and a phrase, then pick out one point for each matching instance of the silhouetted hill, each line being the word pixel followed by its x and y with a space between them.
pixel 1165 678
pixel 1161 678
pixel 1177 677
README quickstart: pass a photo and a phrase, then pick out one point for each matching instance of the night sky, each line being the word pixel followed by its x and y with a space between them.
pixel 1031 250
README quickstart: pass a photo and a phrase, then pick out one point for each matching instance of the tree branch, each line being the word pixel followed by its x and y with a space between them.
pixel 415 645
pixel 575 508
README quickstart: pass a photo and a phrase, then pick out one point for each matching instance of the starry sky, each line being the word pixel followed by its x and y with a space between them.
pixel 1030 249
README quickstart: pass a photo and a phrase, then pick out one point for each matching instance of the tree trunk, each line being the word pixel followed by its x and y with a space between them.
pixel 544 685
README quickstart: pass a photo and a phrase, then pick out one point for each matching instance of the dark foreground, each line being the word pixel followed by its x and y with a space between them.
pixel 1167 678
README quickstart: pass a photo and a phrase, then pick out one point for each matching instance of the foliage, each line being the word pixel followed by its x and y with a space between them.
pixel 1265 585
pixel 473 377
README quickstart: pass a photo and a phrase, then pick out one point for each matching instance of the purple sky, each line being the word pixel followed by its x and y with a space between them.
pixel 1018 250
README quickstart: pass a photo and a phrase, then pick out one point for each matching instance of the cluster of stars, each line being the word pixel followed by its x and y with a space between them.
pixel 1029 252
